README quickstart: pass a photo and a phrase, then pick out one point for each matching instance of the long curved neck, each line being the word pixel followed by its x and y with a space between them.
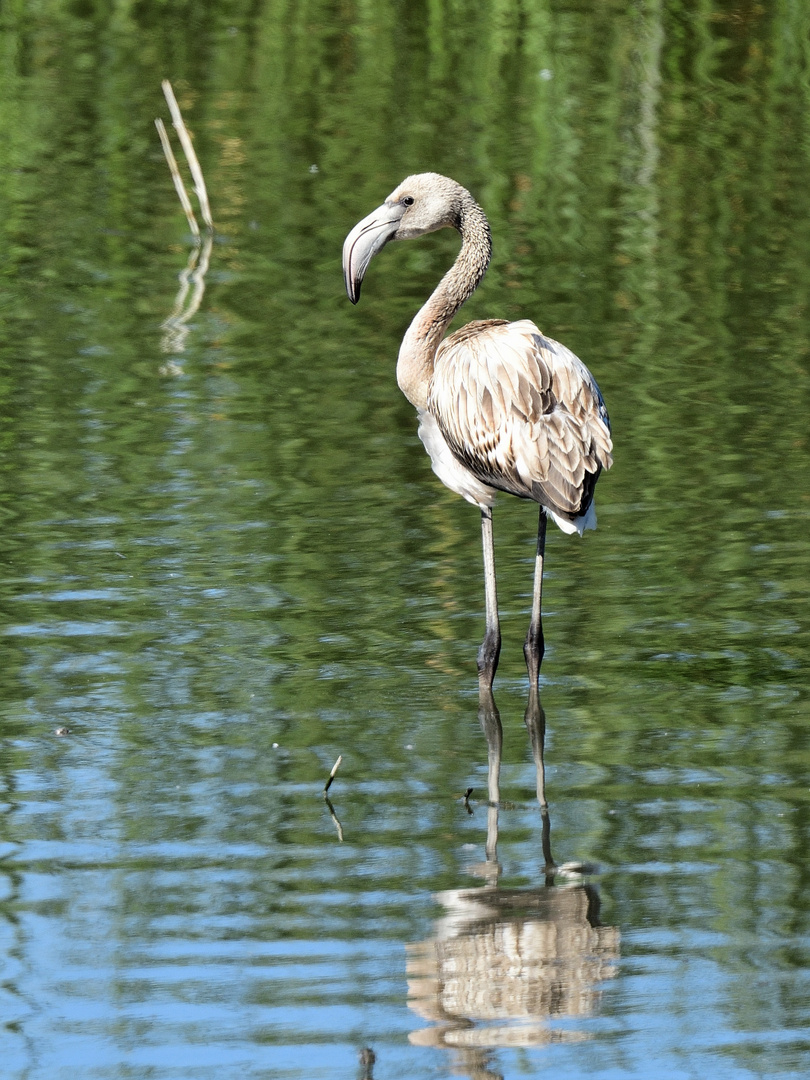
pixel 418 350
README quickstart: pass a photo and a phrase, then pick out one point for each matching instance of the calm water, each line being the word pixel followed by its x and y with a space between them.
pixel 224 560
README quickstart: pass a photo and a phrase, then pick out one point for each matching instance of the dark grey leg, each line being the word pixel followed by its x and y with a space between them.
pixel 491 645
pixel 534 647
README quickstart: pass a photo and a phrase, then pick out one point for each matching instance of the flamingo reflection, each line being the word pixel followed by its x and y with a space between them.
pixel 503 962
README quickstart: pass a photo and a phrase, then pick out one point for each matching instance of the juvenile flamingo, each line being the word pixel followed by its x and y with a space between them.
pixel 501 407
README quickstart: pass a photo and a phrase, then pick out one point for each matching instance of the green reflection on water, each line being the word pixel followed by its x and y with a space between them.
pixel 208 552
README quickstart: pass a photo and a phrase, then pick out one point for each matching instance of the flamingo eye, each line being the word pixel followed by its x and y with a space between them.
pixel 407 200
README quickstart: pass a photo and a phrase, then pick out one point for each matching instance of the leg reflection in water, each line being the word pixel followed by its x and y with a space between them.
pixel 503 962
pixel 535 720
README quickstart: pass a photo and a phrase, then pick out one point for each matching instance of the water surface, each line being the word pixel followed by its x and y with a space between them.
pixel 224 560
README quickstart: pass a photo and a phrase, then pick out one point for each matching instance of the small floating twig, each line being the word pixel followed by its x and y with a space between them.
pixel 335 768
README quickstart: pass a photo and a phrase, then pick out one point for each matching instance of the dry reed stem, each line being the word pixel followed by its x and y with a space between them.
pixel 179 186
pixel 188 149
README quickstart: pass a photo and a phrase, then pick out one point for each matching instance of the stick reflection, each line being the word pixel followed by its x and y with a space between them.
pixel 502 963
pixel 192 281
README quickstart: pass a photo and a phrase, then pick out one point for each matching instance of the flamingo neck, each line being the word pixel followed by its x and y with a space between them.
pixel 417 353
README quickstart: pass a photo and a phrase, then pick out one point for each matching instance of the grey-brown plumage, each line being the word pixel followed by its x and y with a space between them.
pixel 501 407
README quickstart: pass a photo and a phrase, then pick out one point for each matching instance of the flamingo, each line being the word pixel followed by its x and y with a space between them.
pixel 501 407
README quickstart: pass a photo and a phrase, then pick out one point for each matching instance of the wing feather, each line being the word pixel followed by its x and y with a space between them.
pixel 522 413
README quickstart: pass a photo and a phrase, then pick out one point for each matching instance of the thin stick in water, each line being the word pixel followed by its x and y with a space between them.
pixel 188 149
pixel 335 768
pixel 179 186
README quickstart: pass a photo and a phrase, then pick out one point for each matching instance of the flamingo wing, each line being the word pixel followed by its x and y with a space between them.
pixel 522 413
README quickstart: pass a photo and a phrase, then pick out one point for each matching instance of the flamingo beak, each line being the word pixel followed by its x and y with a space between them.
pixel 364 241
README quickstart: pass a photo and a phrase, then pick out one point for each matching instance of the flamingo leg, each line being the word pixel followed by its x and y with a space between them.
pixel 534 646
pixel 491 645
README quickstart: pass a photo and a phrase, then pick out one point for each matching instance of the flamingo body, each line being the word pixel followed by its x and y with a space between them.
pixel 524 415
